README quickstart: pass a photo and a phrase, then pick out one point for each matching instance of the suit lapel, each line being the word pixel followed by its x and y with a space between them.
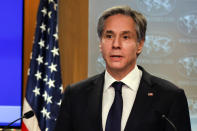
pixel 142 102
pixel 94 105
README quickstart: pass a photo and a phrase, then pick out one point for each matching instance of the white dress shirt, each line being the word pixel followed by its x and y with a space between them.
pixel 129 90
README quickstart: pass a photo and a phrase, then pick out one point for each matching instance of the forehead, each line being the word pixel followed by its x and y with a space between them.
pixel 119 22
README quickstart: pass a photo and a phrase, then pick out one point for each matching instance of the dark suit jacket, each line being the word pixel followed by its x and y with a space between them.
pixel 81 109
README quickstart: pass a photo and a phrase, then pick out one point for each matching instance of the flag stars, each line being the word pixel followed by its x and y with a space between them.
pixel 41 43
pixel 55 51
pixel 44 11
pixel 61 89
pixel 50 1
pixel 48 30
pixel 45 84
pixel 52 67
pixel 47 47
pixel 48 115
pixel 47 98
pixel 39 59
pixel 49 14
pixel 55 36
pixel 43 27
pixel 45 95
pixel 55 6
pixel 45 79
pixel 56 28
pixel 51 83
pixel 59 103
pixel 45 113
pixel 38 75
pixel 36 91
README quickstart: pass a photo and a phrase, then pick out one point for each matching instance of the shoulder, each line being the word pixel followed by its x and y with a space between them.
pixel 82 90
pixel 158 84
pixel 165 92
pixel 84 85
pixel 165 86
pixel 87 81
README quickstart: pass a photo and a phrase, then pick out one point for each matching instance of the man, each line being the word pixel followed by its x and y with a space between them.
pixel 125 97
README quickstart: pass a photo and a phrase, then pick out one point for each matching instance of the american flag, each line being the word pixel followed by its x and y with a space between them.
pixel 44 86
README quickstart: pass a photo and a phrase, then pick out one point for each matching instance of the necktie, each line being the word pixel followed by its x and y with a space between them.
pixel 114 117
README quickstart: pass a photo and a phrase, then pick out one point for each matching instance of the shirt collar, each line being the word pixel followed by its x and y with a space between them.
pixel 131 80
pixel 108 80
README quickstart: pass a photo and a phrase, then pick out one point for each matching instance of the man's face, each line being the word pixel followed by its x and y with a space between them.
pixel 119 45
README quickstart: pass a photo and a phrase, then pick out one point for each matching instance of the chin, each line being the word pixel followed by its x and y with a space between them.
pixel 116 68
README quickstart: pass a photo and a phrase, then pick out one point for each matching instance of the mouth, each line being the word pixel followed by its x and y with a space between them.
pixel 116 55
pixel 116 58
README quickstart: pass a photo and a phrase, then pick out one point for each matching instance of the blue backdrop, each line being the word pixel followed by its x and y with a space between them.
pixel 11 43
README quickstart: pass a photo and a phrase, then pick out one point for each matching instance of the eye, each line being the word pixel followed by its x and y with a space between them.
pixel 108 36
pixel 125 37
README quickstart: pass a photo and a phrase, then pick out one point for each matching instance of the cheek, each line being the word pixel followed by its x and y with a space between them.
pixel 130 52
pixel 103 48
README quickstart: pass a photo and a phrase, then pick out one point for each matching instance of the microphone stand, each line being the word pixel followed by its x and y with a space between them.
pixel 27 115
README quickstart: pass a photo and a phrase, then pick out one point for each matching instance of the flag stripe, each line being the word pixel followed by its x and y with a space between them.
pixel 23 127
pixel 31 123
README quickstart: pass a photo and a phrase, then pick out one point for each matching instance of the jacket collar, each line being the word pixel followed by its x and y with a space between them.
pixel 143 101
pixel 94 106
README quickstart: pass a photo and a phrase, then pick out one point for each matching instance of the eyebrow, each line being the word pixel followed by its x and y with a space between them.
pixel 123 32
pixel 109 32
pixel 126 32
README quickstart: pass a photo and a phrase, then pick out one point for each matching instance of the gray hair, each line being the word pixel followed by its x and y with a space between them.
pixel 139 19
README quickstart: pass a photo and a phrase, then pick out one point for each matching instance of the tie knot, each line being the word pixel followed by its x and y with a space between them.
pixel 117 85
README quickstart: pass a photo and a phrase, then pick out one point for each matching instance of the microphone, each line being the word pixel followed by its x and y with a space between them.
pixel 170 122
pixel 27 115
pixel 166 118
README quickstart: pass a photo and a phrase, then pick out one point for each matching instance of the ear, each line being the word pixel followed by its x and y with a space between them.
pixel 140 46
pixel 100 46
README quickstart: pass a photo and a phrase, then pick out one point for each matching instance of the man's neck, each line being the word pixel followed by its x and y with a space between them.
pixel 120 74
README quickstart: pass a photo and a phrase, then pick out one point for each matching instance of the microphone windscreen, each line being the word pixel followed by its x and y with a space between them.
pixel 28 114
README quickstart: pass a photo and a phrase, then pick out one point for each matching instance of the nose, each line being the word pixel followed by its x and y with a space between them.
pixel 116 43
